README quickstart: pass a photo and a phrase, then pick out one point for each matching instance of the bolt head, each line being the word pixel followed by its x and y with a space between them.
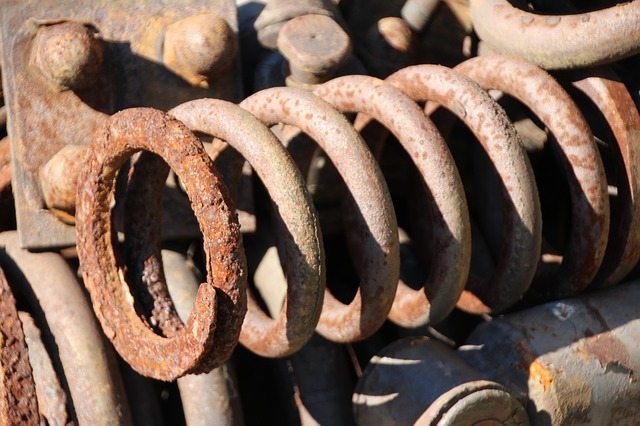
pixel 199 47
pixel 313 45
pixel 67 54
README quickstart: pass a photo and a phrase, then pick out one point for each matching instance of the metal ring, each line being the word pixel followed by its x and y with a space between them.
pixel 300 239
pixel 579 156
pixel 375 230
pixel 450 255
pixel 488 122
pixel 212 330
pixel 557 42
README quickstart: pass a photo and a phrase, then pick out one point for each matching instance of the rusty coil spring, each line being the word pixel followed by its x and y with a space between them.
pixel 372 238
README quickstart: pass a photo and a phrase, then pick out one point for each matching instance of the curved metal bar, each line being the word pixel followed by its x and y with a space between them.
pixel 86 358
pixel 18 402
pixel 207 399
pixel 613 99
pixel 520 252
pixel 450 253
pixel 375 229
pixel 579 157
pixel 299 231
pixel 557 42
pixel 211 333
pixel 52 400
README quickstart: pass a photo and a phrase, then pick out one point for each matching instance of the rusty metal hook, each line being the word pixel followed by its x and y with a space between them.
pixel 212 330
pixel 378 264
pixel 301 241
pixel 488 122
pixel 449 214
pixel 581 161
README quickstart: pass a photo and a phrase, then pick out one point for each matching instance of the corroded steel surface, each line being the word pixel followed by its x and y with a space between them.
pixel 373 230
pixel 613 99
pixel 559 41
pixel 48 110
pixel 450 234
pixel 18 404
pixel 211 332
pixel 578 155
pixel 516 263
pixel 299 232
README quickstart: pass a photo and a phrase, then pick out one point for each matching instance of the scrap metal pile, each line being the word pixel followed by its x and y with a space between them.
pixel 320 212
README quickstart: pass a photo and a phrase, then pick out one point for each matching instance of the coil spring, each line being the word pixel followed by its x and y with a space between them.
pixel 371 234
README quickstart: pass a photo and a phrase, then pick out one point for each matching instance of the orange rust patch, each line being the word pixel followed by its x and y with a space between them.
pixel 538 371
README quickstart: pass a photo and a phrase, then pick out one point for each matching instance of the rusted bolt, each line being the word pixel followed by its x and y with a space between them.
pixel 67 54
pixel 199 47
pixel 315 46
pixel 59 178
pixel 388 46
pixel 277 13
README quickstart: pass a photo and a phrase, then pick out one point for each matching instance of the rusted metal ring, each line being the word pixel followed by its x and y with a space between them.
pixel 300 239
pixel 212 330
pixel 519 256
pixel 18 402
pixel 579 156
pixel 613 99
pixel 376 229
pixel 557 42
pixel 448 211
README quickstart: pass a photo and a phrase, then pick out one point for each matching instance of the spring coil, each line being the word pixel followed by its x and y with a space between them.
pixel 520 269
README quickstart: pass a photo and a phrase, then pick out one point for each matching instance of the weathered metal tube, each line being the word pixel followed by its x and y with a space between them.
pixel 576 360
pixel 89 365
pixel 207 399
pixel 421 381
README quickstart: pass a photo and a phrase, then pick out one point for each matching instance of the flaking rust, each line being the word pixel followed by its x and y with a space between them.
pixel 18 404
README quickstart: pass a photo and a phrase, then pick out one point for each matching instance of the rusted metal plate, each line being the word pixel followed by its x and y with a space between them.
pixel 44 117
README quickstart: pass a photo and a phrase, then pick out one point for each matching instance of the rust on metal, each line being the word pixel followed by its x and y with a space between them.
pixel 559 41
pixel 613 99
pixel 18 403
pixel 579 158
pixel 373 233
pixel 199 48
pixel 315 47
pixel 59 180
pixel 300 240
pixel 450 248
pixel 47 283
pixel 43 118
pixel 520 250
pixel 52 400
pixel 211 333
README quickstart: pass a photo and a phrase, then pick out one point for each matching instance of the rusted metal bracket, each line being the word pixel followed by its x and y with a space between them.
pixel 67 65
